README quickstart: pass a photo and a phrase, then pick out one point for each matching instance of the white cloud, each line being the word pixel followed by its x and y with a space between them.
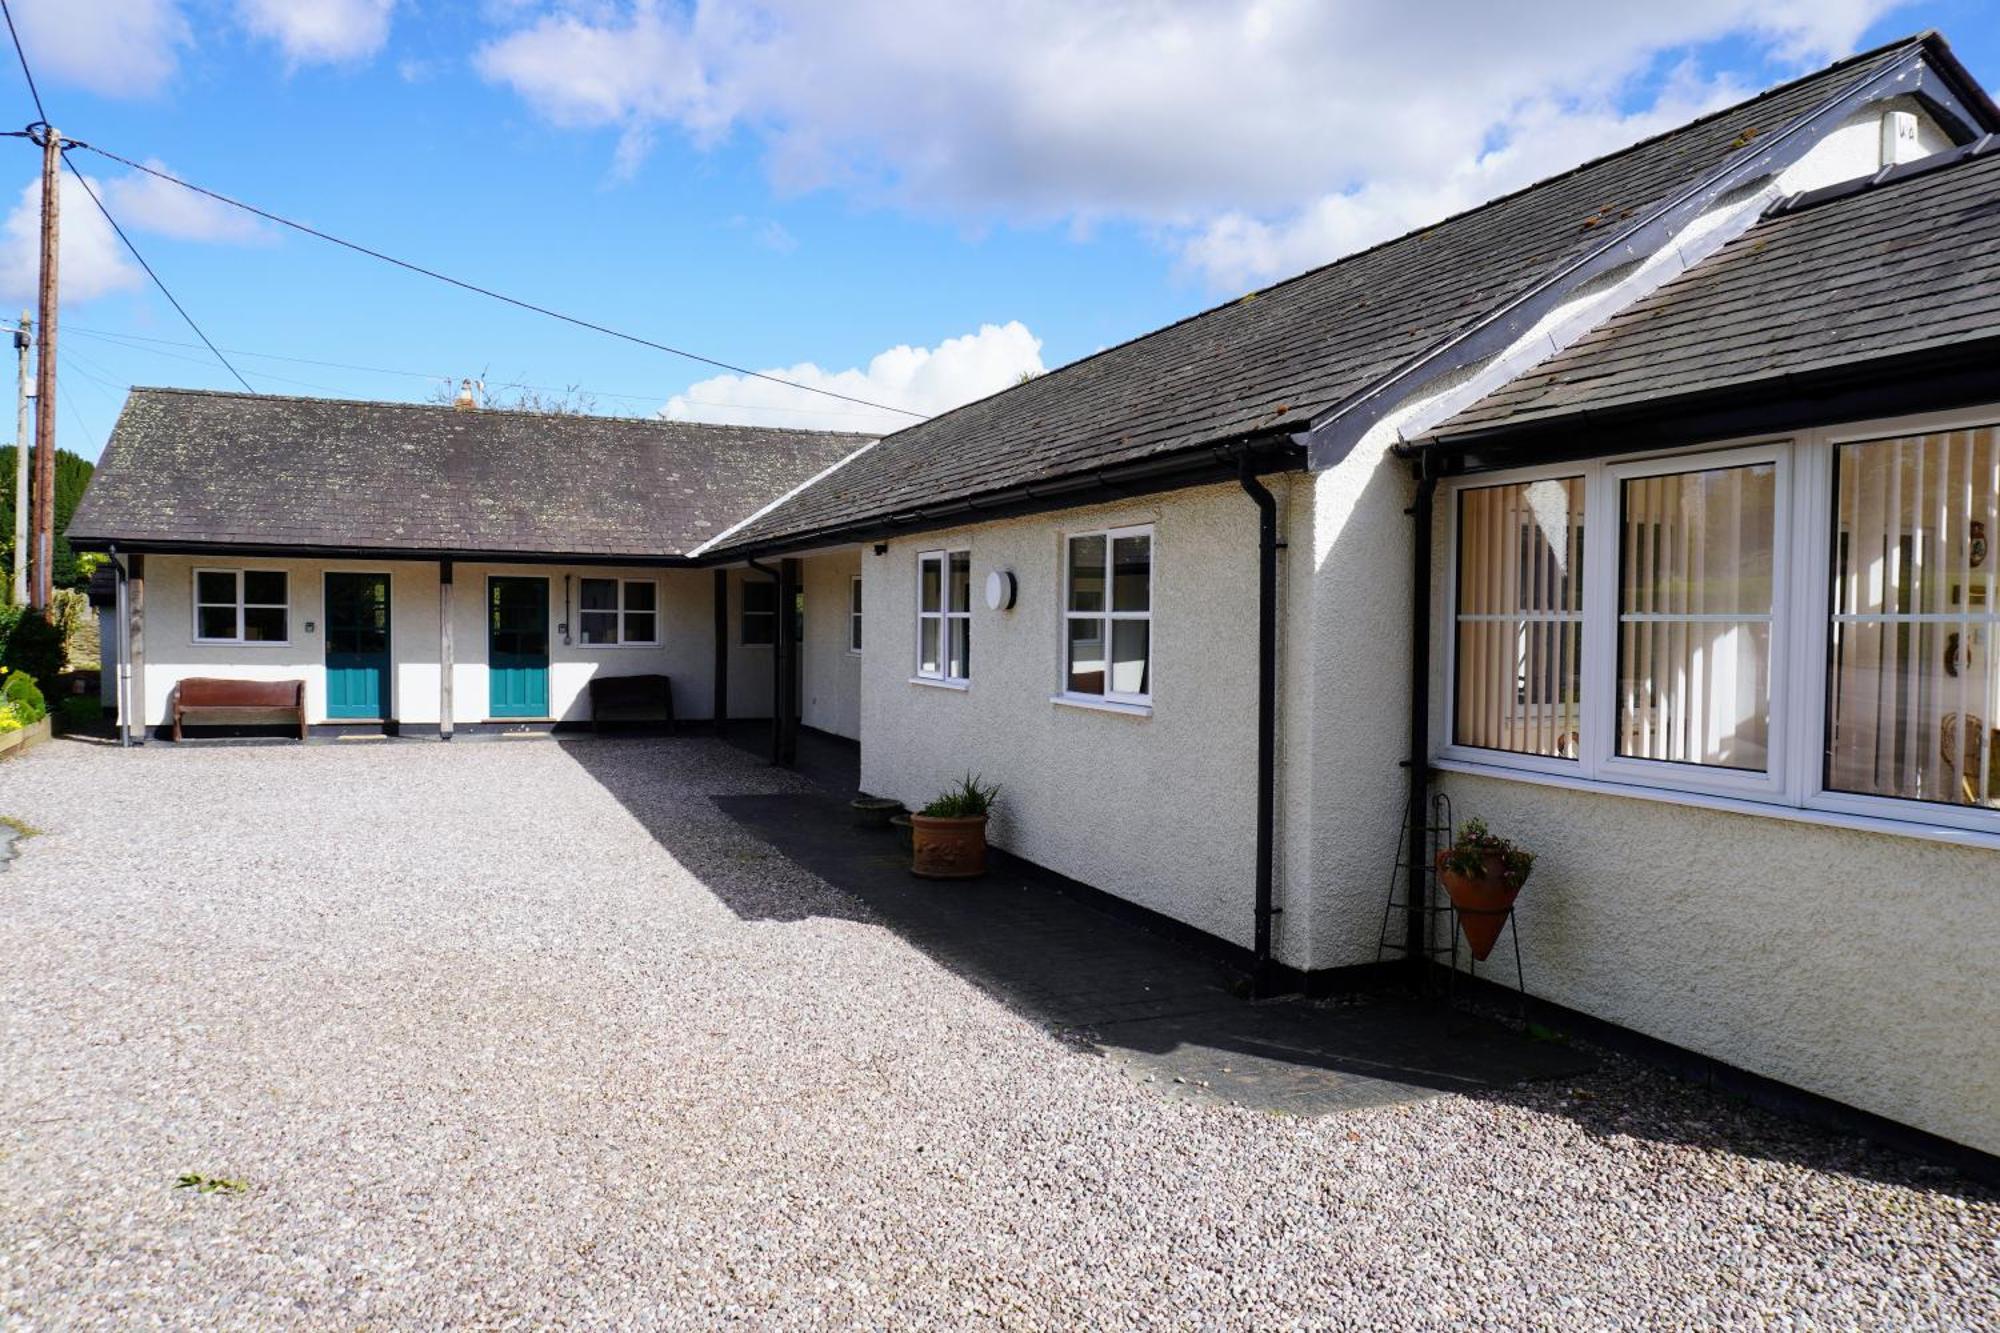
pixel 93 261
pixel 319 31
pixel 119 48
pixel 927 380
pixel 147 203
pixel 1251 135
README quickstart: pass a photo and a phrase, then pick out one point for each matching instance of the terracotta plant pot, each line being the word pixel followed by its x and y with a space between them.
pixel 1482 902
pixel 948 848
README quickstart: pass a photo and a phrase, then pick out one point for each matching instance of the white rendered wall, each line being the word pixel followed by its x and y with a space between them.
pixel 1159 810
pixel 830 682
pixel 685 653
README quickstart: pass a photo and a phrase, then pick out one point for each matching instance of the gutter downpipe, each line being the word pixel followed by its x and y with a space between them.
pixel 122 690
pixel 777 666
pixel 1419 760
pixel 1261 980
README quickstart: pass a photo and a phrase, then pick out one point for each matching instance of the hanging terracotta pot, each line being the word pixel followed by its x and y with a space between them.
pixel 948 848
pixel 1482 901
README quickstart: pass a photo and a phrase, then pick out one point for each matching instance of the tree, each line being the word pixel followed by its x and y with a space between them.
pixel 72 476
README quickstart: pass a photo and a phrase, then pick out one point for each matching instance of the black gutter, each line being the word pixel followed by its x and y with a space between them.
pixel 1930 379
pixel 1268 547
pixel 267 551
pixel 1423 511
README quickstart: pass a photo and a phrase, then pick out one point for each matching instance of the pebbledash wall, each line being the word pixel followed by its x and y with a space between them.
pixel 685 653
pixel 830 671
pixel 1158 810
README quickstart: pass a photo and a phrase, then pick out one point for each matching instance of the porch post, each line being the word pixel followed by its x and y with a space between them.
pixel 135 643
pixel 444 650
pixel 719 715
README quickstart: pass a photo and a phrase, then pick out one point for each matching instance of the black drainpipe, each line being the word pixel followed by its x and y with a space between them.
pixel 1268 546
pixel 777 666
pixel 1419 761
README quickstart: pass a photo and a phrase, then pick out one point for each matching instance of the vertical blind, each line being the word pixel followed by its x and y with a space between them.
pixel 1520 617
pixel 1695 585
pixel 1914 706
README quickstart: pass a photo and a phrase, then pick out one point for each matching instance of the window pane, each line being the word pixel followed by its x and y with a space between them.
pixel 641 627
pixel 1914 695
pixel 760 597
pixel 758 630
pixel 1086 573
pixel 264 586
pixel 1130 656
pixel 1520 618
pixel 598 595
pixel 1086 656
pixel 1132 574
pixel 961 648
pixel 264 624
pixel 854 596
pixel 961 580
pixel 929 589
pixel 215 622
pixel 598 626
pixel 1694 611
pixel 640 596
pixel 216 586
pixel 927 647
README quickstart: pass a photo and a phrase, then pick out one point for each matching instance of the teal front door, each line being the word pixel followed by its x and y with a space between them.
pixel 357 646
pixel 517 646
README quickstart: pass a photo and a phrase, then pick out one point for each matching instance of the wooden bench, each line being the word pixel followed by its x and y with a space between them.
pixel 209 699
pixel 631 699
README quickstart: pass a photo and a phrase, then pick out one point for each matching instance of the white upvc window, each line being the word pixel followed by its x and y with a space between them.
pixel 854 614
pixel 613 612
pixel 1807 622
pixel 1107 648
pixel 242 606
pixel 944 616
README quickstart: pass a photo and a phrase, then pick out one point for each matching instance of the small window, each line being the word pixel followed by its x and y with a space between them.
pixel 1108 615
pixel 854 615
pixel 241 606
pixel 760 612
pixel 1520 618
pixel 944 615
pixel 619 611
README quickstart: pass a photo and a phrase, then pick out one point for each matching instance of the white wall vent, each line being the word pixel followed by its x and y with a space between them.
pixel 1900 138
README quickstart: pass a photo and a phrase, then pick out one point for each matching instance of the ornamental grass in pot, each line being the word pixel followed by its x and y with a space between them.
pixel 948 836
pixel 1483 873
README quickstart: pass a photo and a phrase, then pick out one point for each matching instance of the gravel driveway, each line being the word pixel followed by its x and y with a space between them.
pixel 480 1048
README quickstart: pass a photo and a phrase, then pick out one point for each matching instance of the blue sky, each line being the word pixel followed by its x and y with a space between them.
pixel 806 188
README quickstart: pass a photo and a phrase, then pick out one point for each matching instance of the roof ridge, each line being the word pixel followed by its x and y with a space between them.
pixel 601 417
pixel 1915 40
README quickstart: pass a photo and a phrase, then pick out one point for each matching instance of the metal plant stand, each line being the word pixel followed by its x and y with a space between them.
pixel 1441 918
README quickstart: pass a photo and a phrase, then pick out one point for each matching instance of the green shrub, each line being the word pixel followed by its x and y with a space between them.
pixel 25 697
pixel 30 644
pixel 79 710
pixel 966 800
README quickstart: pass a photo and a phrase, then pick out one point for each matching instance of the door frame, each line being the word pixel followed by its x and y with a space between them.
pixel 548 648
pixel 388 711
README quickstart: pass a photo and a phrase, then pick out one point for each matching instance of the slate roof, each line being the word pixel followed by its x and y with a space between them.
pixel 1278 357
pixel 1908 262
pixel 198 468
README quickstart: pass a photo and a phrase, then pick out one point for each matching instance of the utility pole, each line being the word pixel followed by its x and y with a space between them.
pixel 21 340
pixel 43 587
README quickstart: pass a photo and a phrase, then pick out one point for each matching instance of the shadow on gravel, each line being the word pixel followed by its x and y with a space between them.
pixel 1167 1014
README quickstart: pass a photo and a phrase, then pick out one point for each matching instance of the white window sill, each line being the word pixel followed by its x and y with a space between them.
pixel 1096 705
pixel 1733 804
pixel 938 683
pixel 241 643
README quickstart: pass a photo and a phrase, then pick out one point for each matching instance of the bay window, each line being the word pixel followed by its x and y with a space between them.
pixel 944 616
pixel 1807 622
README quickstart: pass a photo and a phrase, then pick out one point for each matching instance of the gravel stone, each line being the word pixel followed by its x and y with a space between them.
pixel 530 1034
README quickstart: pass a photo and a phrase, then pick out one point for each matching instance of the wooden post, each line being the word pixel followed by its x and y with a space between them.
pixel 43 515
pixel 22 341
pixel 135 641
pixel 445 666
pixel 720 714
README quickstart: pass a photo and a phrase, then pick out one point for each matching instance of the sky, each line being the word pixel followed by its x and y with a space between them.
pixel 910 205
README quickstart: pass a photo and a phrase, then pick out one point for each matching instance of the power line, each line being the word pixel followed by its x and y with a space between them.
pixel 26 73
pixel 157 282
pixel 494 295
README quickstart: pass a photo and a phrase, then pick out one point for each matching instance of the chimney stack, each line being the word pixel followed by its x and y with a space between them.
pixel 466 400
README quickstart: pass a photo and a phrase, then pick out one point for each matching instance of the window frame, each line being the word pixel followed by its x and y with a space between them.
pixel 236 573
pixel 744 614
pixel 619 612
pixel 854 614
pixel 1108 617
pixel 1802 611
pixel 944 615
